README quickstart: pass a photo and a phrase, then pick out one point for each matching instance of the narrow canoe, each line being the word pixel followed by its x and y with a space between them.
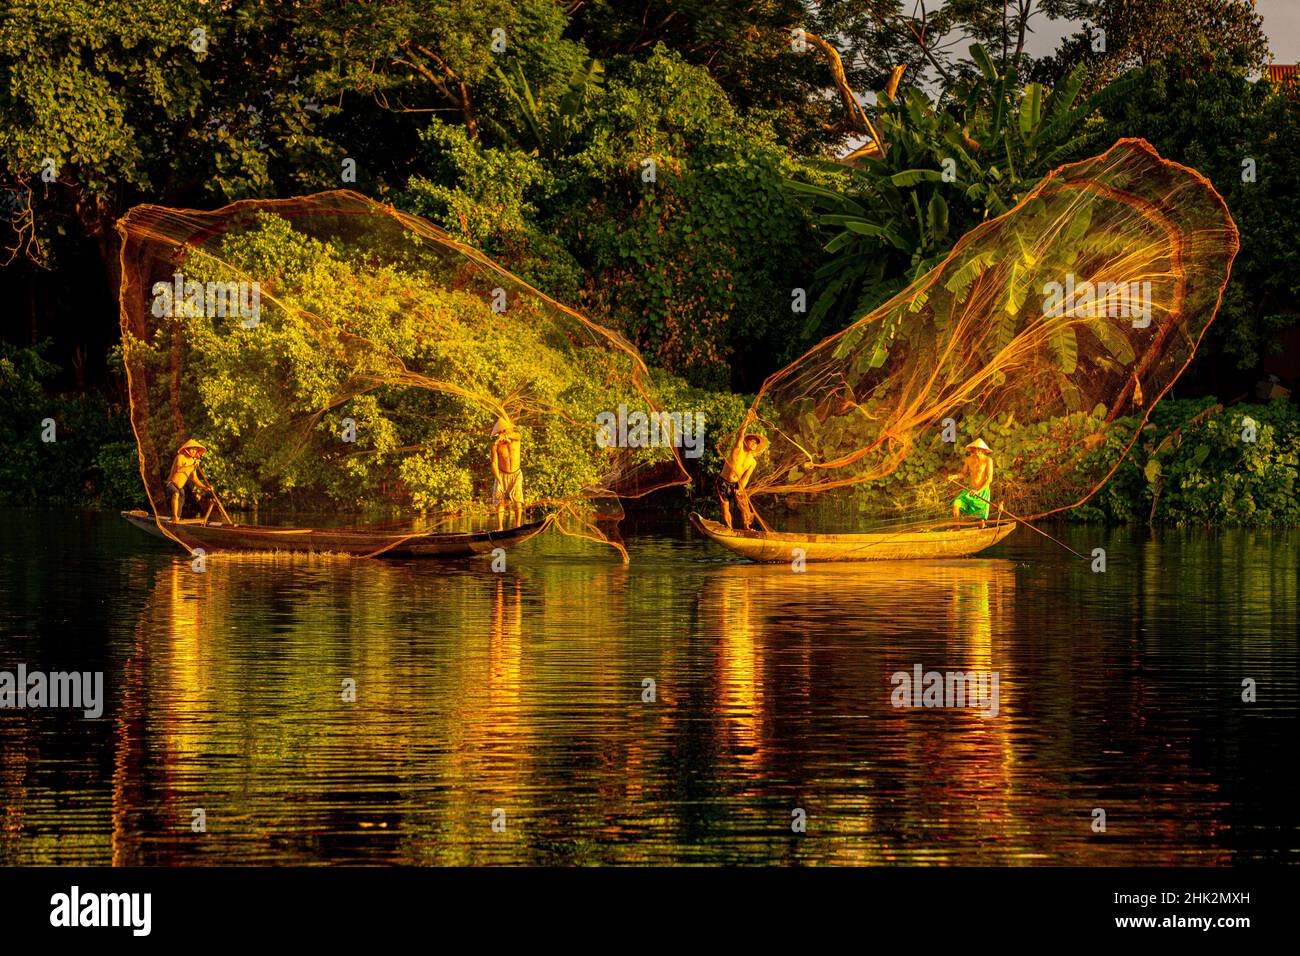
pixel 776 546
pixel 248 537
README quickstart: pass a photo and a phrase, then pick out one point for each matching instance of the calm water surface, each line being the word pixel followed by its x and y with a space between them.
pixel 522 693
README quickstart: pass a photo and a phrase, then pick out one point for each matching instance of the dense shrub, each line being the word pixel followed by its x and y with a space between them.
pixel 1194 465
pixel 1191 465
pixel 86 463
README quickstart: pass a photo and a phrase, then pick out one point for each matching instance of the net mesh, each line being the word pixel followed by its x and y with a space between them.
pixel 1080 306
pixel 342 360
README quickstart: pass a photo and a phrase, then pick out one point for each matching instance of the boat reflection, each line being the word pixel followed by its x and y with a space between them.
pixel 873 619
pixel 892 597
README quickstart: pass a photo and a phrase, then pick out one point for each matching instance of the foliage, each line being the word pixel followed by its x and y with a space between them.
pixel 748 48
pixel 945 170
pixel 548 128
pixel 414 58
pixel 489 197
pixel 377 329
pixel 162 98
pixel 1244 137
pixel 1194 465
pixel 93 457
pixel 1119 35
pixel 697 266
pixel 1191 466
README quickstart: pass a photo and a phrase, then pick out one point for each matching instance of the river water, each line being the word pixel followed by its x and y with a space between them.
pixel 506 717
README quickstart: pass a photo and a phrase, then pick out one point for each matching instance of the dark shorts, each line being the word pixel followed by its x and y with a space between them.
pixel 194 490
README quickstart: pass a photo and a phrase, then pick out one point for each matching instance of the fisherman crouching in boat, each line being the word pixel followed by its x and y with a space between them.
pixel 186 474
pixel 736 471
pixel 976 478
pixel 507 475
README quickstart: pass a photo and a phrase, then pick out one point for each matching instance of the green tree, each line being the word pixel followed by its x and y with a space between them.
pixel 768 72
pixel 92 456
pixel 1119 35
pixel 497 199
pixel 547 128
pixel 665 218
pixel 1244 137
pixel 107 103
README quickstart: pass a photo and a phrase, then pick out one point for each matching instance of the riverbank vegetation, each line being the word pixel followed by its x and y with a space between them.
pixel 704 182
pixel 1195 462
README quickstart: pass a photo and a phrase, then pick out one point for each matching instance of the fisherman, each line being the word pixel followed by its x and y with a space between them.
pixel 508 483
pixel 734 480
pixel 185 473
pixel 976 478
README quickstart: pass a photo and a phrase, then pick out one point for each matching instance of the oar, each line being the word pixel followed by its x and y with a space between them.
pixel 1022 521
pixel 749 503
pixel 220 507
pixel 213 492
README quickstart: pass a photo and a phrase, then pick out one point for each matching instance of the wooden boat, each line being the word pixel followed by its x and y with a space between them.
pixel 249 537
pixel 776 546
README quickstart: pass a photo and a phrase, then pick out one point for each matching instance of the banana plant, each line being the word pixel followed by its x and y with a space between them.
pixel 547 129
pixel 945 169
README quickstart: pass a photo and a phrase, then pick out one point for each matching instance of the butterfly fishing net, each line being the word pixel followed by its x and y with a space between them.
pixel 1049 333
pixel 346 365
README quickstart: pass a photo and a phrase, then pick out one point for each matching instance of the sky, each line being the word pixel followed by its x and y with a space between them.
pixel 1281 26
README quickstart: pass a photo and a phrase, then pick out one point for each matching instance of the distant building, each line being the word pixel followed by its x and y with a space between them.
pixel 1283 74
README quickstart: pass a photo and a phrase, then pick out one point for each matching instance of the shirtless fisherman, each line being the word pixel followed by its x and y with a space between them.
pixel 976 477
pixel 736 472
pixel 185 469
pixel 508 478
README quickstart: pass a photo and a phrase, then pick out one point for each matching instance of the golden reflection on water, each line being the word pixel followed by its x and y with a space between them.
pixel 523 692
pixel 728 614
pixel 742 603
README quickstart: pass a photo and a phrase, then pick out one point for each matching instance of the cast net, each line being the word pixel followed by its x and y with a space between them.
pixel 345 365
pixel 1046 333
